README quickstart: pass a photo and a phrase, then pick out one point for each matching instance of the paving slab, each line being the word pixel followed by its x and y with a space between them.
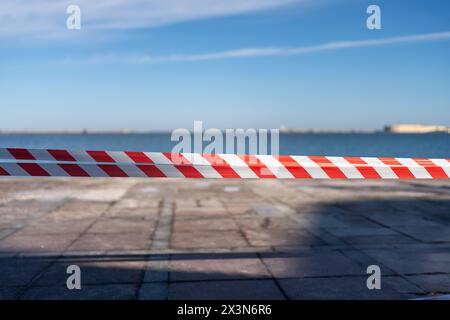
pixel 100 292
pixel 157 269
pixel 153 291
pixel 111 241
pixel 288 237
pixel 9 293
pixel 217 267
pixel 311 264
pixel 207 239
pixel 50 226
pixel 94 272
pixel 258 223
pixel 120 226
pixel 413 261
pixel 376 240
pixel 432 283
pixel 76 209
pixel 20 271
pixel 426 233
pixel 37 242
pixel 404 285
pixel 226 290
pixel 336 288
pixel 198 224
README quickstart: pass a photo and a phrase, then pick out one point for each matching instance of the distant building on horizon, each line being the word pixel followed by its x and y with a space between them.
pixel 416 128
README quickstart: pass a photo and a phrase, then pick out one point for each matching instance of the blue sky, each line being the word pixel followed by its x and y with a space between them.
pixel 155 65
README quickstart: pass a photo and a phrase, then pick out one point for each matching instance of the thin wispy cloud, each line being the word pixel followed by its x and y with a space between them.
pixel 43 18
pixel 257 52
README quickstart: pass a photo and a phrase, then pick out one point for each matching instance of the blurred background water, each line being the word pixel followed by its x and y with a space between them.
pixel 330 144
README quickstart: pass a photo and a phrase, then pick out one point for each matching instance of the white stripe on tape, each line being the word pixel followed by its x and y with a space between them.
pixel 346 167
pixel 314 170
pixel 418 171
pixel 275 167
pixel 382 169
pixel 239 166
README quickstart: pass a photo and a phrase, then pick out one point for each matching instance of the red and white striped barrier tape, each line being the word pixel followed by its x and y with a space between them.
pixel 60 163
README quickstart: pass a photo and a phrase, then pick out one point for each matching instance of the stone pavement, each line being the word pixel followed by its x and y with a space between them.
pixel 216 239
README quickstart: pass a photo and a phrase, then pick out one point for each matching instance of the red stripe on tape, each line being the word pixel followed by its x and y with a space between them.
pixel 34 169
pixel 223 168
pixel 400 170
pixel 100 156
pixel 139 157
pixel 434 171
pixel 21 154
pixel 366 171
pixel 330 169
pixel 112 170
pixel 61 155
pixel 3 172
pixel 189 172
pixel 183 165
pixel 257 166
pixel 73 170
pixel 151 171
pixel 293 167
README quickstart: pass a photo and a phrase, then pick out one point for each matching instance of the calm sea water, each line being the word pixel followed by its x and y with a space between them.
pixel 376 144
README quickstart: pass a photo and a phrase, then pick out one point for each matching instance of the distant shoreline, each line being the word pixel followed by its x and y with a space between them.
pixel 284 132
pixel 83 132
pixel 414 128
